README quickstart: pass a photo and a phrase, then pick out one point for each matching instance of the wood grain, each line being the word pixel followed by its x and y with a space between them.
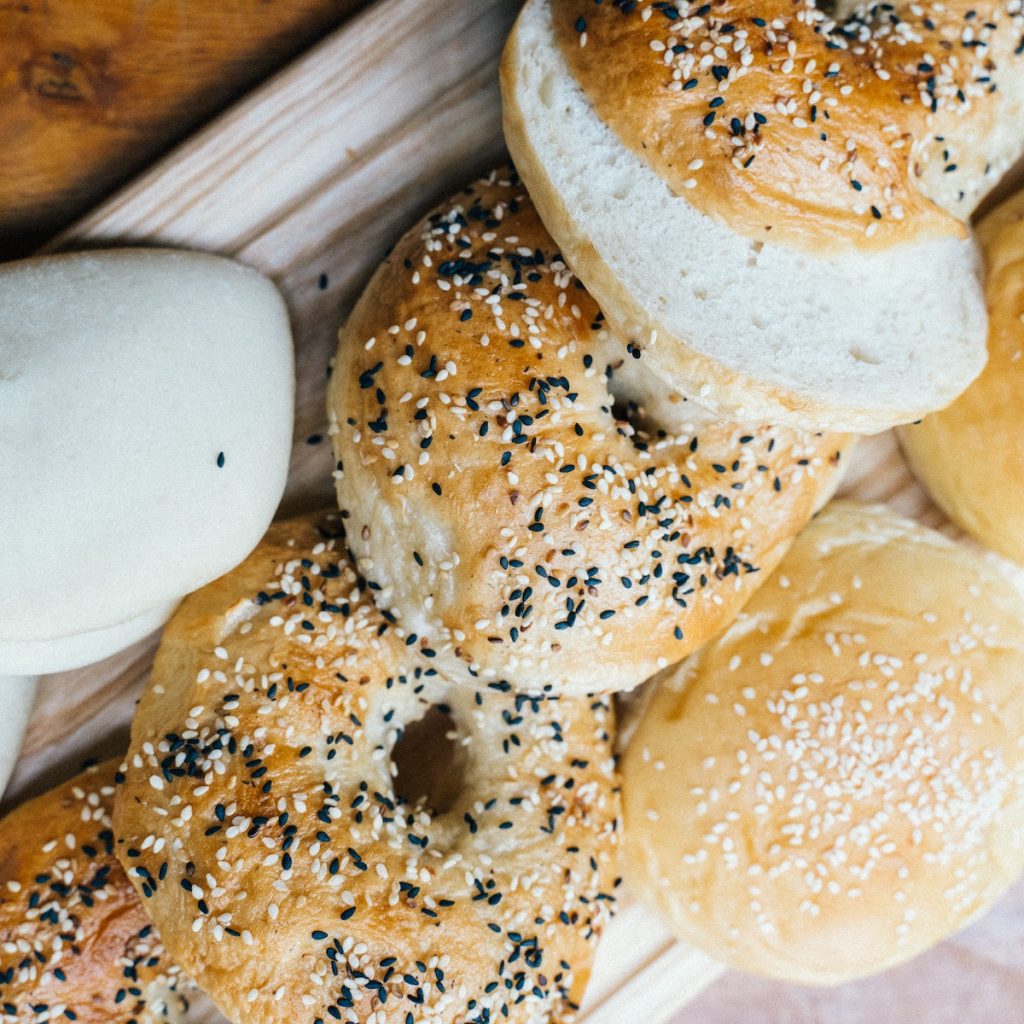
pixel 310 180
pixel 91 90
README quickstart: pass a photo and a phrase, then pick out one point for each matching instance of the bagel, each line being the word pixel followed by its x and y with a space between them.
pixel 521 495
pixel 75 943
pixel 771 201
pixel 970 456
pixel 262 819
pixel 836 782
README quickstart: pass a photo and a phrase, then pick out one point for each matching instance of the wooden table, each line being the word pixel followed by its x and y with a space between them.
pixel 92 90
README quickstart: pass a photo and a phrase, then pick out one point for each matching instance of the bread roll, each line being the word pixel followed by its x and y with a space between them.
pixel 302 862
pixel 970 456
pixel 770 200
pixel 524 497
pixel 145 428
pixel 836 782
pixel 75 942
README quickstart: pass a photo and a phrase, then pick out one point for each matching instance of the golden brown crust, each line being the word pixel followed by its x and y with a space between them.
pixel 837 781
pixel 970 456
pixel 75 942
pixel 671 356
pixel 518 491
pixel 790 126
pixel 260 817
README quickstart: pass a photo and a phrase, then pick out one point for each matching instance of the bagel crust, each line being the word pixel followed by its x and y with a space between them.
pixel 836 783
pixel 528 502
pixel 763 201
pixel 75 942
pixel 869 126
pixel 259 815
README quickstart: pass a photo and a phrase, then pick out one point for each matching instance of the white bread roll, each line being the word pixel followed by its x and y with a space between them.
pixel 764 201
pixel 970 456
pixel 837 782
pixel 145 426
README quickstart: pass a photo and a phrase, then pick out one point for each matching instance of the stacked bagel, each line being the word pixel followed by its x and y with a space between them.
pixel 581 435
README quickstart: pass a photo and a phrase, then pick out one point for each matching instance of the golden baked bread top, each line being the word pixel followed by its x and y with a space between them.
pixel 792 125
pixel 836 782
pixel 75 942
pixel 522 495
pixel 970 455
pixel 283 850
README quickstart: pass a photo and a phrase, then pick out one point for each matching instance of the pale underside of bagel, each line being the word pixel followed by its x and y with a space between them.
pixel 855 340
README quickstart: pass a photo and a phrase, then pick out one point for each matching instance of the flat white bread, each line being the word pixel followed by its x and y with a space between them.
pixel 146 404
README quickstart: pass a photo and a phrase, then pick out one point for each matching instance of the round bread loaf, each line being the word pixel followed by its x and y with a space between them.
pixel 145 428
pixel 970 456
pixel 305 863
pixel 770 200
pixel 521 494
pixel 837 782
pixel 75 942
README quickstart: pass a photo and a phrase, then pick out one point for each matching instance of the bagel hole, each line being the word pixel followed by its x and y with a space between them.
pixel 632 419
pixel 430 762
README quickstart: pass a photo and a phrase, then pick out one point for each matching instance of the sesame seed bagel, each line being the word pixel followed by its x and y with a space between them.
pixel 970 456
pixel 520 493
pixel 837 782
pixel 770 200
pixel 263 821
pixel 75 942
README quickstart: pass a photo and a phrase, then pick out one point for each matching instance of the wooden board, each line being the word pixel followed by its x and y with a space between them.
pixel 92 90
pixel 310 180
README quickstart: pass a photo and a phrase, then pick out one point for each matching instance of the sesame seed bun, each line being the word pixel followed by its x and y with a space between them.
pixel 970 456
pixel 837 782
pixel 764 201
pixel 75 942
pixel 525 498
pixel 278 844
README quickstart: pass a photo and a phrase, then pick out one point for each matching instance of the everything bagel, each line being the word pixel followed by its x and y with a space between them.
pixel 75 942
pixel 770 199
pixel 263 819
pixel 521 495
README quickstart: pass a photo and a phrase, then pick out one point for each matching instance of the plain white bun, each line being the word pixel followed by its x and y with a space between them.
pixel 754 331
pixel 63 653
pixel 146 403
pixel 836 782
